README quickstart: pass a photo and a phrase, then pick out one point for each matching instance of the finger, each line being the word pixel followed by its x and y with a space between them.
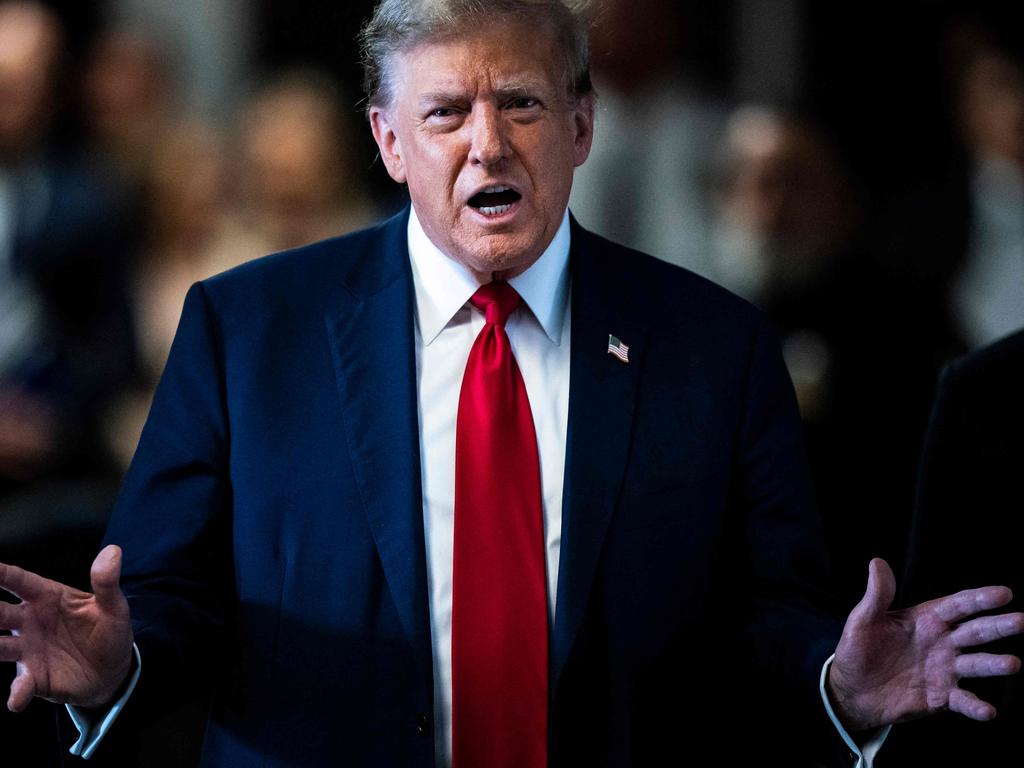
pixel 22 690
pixel 969 705
pixel 105 576
pixel 19 582
pixel 986 665
pixel 10 649
pixel 954 608
pixel 880 591
pixel 10 616
pixel 988 628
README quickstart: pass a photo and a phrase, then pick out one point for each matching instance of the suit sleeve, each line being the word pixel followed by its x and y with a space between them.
pixel 173 517
pixel 794 625
pixel 939 494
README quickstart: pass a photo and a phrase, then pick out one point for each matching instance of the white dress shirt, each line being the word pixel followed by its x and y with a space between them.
pixel 446 327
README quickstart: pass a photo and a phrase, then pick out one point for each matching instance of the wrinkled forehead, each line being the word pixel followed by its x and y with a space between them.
pixel 507 54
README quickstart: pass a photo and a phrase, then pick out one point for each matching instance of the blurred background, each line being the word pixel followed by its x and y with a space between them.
pixel 854 169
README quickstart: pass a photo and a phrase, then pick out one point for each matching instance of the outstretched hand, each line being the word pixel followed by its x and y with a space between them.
pixel 892 666
pixel 69 646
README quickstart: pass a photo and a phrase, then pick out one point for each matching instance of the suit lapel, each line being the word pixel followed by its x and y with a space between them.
pixel 372 345
pixel 602 392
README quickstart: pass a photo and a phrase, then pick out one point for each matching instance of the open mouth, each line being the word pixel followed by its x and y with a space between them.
pixel 494 201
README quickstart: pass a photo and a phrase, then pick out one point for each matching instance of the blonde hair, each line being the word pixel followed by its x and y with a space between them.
pixel 400 25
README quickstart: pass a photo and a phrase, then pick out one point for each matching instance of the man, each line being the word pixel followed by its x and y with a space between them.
pixel 333 523
pixel 971 461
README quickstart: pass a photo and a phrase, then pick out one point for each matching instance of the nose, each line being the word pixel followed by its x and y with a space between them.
pixel 488 142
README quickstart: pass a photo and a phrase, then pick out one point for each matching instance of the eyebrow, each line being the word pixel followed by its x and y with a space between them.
pixel 443 97
pixel 508 90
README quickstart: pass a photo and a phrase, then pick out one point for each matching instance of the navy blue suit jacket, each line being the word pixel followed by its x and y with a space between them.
pixel 273 535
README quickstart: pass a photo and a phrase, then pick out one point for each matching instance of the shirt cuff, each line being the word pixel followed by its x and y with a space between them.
pixel 93 725
pixel 864 753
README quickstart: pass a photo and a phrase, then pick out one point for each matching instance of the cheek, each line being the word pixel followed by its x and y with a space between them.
pixel 439 173
pixel 436 208
pixel 554 174
pixel 556 158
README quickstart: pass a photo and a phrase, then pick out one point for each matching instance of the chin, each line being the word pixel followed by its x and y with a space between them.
pixel 510 262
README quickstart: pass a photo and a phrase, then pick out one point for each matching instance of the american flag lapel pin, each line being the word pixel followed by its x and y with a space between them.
pixel 617 348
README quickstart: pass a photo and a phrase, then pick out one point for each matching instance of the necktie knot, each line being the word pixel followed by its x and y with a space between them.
pixel 497 300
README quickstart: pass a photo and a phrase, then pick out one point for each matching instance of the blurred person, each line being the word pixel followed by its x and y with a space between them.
pixel 128 101
pixel 988 72
pixel 293 183
pixel 786 220
pixel 65 333
pixel 790 235
pixel 786 211
pixel 187 192
pixel 970 470
pixel 65 340
pixel 29 52
pixel 346 519
pixel 649 195
pixel 959 236
pixel 298 179
pixel 188 238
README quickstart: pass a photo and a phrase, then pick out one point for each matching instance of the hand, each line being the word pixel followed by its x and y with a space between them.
pixel 892 666
pixel 69 646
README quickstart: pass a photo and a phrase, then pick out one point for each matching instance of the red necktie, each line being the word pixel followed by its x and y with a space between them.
pixel 499 590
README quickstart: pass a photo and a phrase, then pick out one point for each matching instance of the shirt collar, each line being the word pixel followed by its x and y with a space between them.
pixel 443 285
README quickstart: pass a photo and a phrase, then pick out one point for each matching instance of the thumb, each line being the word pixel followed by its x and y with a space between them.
pixel 23 688
pixel 881 589
pixel 105 576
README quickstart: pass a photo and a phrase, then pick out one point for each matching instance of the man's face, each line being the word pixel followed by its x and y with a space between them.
pixel 481 129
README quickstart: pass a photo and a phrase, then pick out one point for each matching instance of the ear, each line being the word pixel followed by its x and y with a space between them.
pixel 583 126
pixel 387 141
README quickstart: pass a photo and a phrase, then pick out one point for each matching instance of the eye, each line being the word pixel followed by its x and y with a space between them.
pixel 523 102
pixel 442 112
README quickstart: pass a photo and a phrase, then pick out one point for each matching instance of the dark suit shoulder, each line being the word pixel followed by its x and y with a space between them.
pixel 984 387
pixel 667 291
pixel 1000 360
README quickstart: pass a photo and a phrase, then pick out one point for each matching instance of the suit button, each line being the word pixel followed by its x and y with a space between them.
pixel 422 724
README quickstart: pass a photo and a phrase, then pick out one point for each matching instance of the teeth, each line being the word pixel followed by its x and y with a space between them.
pixel 492 190
pixel 493 210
